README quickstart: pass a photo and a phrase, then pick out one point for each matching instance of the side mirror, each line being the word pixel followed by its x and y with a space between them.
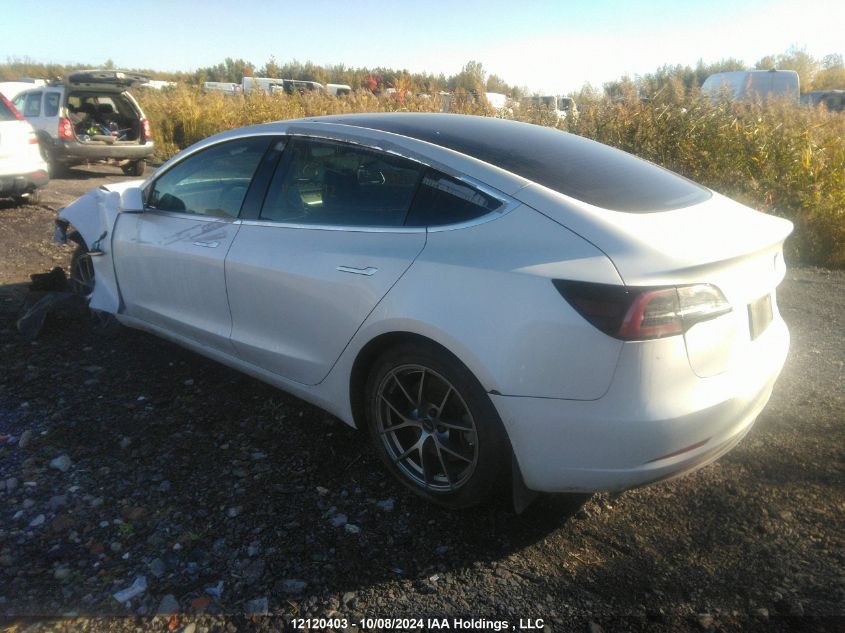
pixel 132 200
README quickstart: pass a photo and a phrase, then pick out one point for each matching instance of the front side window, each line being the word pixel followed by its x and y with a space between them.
pixel 328 183
pixel 211 182
pixel 443 200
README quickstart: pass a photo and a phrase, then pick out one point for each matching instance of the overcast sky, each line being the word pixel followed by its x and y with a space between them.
pixel 551 47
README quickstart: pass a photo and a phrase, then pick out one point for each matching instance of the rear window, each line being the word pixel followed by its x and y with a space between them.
pixel 578 167
pixel 442 200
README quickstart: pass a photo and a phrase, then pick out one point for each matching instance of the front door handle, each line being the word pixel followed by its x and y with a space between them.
pixel 369 271
pixel 207 244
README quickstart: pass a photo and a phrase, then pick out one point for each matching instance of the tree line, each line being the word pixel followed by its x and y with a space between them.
pixel 815 74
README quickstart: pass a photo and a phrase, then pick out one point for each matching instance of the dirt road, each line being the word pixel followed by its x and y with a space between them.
pixel 227 496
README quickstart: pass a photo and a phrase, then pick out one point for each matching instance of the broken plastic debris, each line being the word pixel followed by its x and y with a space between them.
pixel 135 589
pixel 32 321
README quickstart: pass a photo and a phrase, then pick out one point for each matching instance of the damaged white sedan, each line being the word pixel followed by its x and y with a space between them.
pixel 493 301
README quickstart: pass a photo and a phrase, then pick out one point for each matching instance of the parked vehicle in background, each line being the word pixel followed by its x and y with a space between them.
pixel 89 116
pixel 22 169
pixel 497 100
pixel 11 89
pixel 833 100
pixel 742 85
pixel 338 90
pixel 488 298
pixel 159 84
pixel 270 85
pixel 561 106
pixel 226 87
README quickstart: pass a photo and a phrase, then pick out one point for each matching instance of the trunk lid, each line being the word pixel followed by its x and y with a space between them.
pixel 719 242
pixel 670 247
pixel 14 138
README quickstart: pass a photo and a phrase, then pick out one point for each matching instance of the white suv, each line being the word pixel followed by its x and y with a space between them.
pixel 89 116
pixel 22 170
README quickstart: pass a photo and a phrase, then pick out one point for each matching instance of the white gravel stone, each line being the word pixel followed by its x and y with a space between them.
pixel 62 463
pixel 25 439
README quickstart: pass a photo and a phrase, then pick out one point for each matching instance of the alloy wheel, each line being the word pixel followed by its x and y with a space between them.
pixel 427 428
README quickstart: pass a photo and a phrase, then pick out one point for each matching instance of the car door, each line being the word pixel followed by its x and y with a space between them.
pixel 169 259
pixel 328 244
pixel 29 105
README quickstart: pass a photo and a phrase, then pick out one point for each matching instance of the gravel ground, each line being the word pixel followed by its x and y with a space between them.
pixel 129 461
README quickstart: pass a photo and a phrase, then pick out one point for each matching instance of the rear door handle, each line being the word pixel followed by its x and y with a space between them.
pixel 207 244
pixel 369 271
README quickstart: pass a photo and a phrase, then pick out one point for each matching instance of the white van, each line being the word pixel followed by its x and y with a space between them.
pixel 225 87
pixel 740 85
pixel 271 85
pixel 338 90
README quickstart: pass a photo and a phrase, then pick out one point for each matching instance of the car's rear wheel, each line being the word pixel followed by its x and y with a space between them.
pixel 57 168
pixel 135 168
pixel 434 426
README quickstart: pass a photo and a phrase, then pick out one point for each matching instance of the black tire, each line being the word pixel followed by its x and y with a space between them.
pixel 473 430
pixel 135 168
pixel 82 281
pixel 57 169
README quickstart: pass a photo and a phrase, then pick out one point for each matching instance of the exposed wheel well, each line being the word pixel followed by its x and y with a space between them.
pixel 364 363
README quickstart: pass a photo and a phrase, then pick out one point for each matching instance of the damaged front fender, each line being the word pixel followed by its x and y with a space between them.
pixel 94 216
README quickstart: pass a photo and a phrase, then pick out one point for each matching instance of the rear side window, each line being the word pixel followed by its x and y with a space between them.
pixel 443 200
pixel 51 103
pixel 211 182
pixel 327 183
pixel 32 104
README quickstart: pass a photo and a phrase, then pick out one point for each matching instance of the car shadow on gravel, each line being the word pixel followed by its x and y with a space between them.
pixel 190 473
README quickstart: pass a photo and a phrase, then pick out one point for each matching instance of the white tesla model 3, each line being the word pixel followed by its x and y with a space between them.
pixel 489 299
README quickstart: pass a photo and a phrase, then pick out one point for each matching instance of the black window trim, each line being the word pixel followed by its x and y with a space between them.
pixel 148 187
pixel 508 203
pixel 251 218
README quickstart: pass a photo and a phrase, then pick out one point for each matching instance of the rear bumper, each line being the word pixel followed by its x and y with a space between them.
pixel 22 183
pixel 658 419
pixel 74 151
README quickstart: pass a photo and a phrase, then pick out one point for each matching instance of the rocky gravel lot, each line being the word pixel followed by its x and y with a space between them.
pixel 137 479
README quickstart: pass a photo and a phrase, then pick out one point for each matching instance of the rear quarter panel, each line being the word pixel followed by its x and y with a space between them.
pixel 485 293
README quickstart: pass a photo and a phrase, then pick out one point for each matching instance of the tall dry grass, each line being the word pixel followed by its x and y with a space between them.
pixel 777 157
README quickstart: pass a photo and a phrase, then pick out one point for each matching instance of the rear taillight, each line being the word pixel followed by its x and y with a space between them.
pixel 31 138
pixel 636 314
pixel 148 132
pixel 65 129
